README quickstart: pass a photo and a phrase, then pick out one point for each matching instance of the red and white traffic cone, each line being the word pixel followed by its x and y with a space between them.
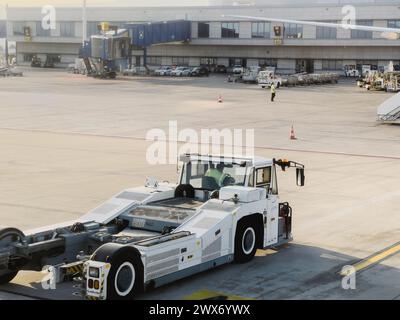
pixel 220 100
pixel 292 134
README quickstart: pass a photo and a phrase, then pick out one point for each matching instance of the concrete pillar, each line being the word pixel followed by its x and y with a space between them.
pixel 343 33
pixel 78 29
pixel 379 23
pixel 195 30
pixel 10 30
pixel 57 31
pixel 245 30
pixel 215 30
pixel 309 32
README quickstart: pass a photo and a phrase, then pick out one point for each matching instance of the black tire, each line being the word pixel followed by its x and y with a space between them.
pixel 184 191
pixel 246 240
pixel 11 232
pixel 125 279
pixel 7 276
pixel 14 235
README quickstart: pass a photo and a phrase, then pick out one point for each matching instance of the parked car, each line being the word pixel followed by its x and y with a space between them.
pixel 220 69
pixel 199 72
pixel 36 62
pixel 134 71
pixel 181 72
pixel 163 71
pixel 238 69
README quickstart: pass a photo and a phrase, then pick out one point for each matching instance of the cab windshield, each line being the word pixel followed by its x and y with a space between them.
pixel 213 176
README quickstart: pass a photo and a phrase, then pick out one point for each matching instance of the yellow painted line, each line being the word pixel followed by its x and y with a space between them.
pixel 213 295
pixel 374 259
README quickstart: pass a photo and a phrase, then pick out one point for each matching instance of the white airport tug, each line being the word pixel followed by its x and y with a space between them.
pixel 221 211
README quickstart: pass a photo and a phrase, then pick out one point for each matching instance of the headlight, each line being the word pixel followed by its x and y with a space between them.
pixel 94 272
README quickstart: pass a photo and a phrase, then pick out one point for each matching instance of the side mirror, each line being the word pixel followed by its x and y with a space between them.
pixel 300 177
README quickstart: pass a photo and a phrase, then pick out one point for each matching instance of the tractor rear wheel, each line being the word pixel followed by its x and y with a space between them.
pixel 246 240
pixel 125 278
pixel 8 236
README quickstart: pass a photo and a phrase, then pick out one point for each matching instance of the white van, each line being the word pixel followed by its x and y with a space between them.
pixel 266 78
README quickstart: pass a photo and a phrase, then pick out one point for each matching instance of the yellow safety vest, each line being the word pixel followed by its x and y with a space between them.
pixel 217 175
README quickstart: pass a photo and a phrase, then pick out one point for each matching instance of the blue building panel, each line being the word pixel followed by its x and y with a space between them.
pixel 144 35
pixel 86 50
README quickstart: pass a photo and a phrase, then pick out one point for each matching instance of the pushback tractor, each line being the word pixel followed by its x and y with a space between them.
pixel 221 211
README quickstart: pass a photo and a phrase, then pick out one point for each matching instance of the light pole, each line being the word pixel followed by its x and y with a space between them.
pixel 6 39
pixel 84 22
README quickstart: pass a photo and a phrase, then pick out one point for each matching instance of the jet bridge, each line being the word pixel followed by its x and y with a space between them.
pixel 111 51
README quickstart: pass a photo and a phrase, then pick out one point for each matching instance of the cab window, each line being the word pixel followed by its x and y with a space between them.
pixel 263 178
pixel 251 178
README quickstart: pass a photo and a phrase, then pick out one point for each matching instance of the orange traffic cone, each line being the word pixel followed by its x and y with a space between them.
pixel 220 99
pixel 292 134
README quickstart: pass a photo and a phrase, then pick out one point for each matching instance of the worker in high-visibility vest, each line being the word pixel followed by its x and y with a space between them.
pixel 217 173
pixel 273 92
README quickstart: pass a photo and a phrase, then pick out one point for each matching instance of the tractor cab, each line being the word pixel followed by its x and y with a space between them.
pixel 205 175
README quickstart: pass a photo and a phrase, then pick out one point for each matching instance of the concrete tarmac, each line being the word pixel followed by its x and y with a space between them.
pixel 70 142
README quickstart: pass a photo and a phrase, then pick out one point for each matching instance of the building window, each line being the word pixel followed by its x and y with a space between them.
pixel 372 63
pixel 154 61
pixel 268 63
pixel 28 57
pixel 230 30
pixel 332 65
pixel 327 32
pixel 394 24
pixel 261 30
pixel 40 31
pixel 361 34
pixel 180 61
pixel 237 62
pixel 204 30
pixel 293 31
pixel 92 28
pixel 67 29
pixel 18 28
pixel 53 58
pixel 117 24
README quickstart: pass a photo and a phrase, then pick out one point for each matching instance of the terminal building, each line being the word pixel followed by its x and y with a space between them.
pixel 217 39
